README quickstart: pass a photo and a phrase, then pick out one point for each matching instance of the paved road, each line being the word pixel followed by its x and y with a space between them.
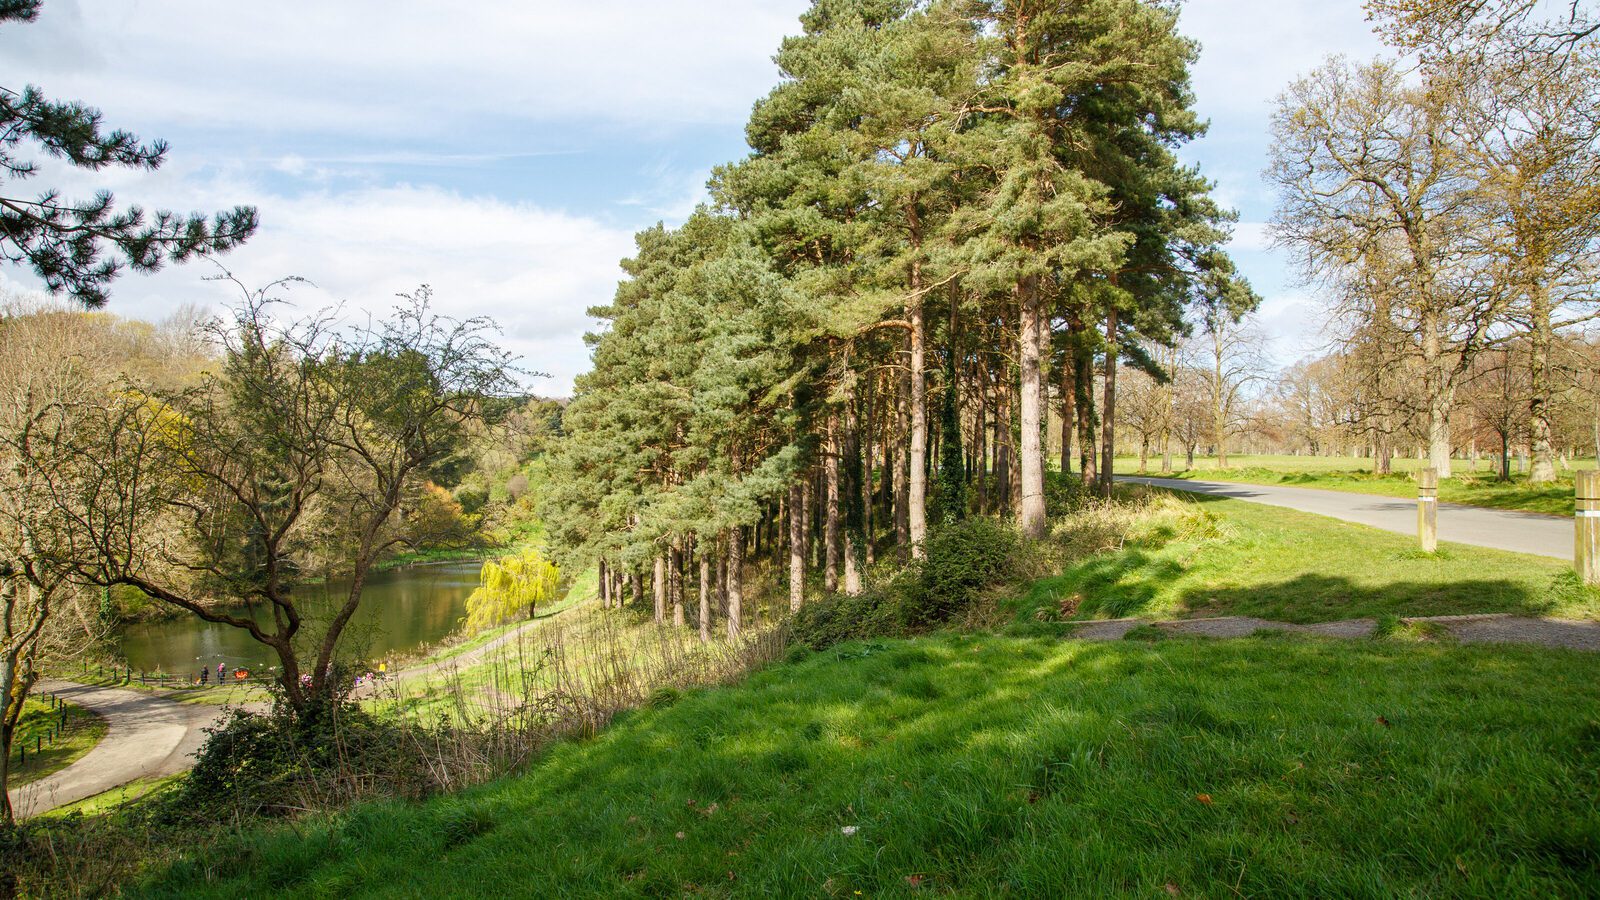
pixel 1522 532
pixel 145 736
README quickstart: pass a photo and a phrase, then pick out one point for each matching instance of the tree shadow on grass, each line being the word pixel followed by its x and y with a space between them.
pixel 1313 598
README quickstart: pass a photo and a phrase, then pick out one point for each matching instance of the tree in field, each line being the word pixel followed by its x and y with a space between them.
pixel 1233 362
pixel 78 248
pixel 511 587
pixel 1539 153
pixel 1378 200
pixel 308 439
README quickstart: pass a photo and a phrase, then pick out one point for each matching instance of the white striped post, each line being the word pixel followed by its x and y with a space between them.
pixel 1586 527
pixel 1428 509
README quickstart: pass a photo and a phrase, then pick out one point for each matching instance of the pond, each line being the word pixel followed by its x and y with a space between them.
pixel 401 609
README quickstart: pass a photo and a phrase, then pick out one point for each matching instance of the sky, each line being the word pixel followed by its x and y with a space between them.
pixel 504 152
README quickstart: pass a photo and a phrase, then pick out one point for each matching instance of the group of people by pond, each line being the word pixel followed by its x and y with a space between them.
pixel 239 674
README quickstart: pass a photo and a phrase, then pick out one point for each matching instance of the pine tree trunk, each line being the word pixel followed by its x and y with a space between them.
pixel 658 587
pixel 675 585
pixel 830 534
pixel 605 586
pixel 866 431
pixel 1108 412
pixel 705 596
pixel 980 457
pixel 917 488
pixel 1083 387
pixel 735 540
pixel 1032 512
pixel 797 547
pixel 1069 408
pixel 636 589
pixel 902 464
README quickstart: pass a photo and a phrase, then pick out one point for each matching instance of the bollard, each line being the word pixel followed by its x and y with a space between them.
pixel 1428 509
pixel 1586 527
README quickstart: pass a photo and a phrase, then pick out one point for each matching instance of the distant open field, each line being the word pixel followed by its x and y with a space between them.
pixel 1470 485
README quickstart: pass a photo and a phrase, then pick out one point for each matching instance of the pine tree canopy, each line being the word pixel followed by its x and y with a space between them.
pixel 79 247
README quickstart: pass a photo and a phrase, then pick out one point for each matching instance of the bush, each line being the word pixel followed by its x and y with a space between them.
pixel 269 764
pixel 964 559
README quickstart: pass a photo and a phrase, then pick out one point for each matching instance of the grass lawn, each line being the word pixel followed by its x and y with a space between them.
pixel 1003 766
pixel 83 730
pixel 1191 555
pixel 1355 476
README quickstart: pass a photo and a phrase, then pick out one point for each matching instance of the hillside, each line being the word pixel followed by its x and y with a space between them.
pixel 987 766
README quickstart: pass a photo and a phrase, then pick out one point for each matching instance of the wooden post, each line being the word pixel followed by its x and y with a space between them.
pixel 1428 509
pixel 1587 527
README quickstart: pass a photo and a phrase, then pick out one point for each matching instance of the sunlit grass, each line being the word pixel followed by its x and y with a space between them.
pixel 1193 555
pixel 76 731
pixel 988 766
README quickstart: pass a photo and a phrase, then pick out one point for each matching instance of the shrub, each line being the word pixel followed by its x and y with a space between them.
pixel 964 559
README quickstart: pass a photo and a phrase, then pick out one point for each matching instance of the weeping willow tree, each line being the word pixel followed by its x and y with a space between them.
pixel 510 586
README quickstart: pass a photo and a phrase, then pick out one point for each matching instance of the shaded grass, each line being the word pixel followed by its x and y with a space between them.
pixel 1204 556
pixel 81 731
pixel 1474 488
pixel 996 766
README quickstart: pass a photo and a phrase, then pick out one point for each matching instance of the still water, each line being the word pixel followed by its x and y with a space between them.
pixel 400 610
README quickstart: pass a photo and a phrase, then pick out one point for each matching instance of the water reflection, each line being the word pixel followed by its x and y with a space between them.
pixel 400 610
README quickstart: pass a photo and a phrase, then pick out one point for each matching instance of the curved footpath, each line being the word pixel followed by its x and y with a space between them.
pixel 146 736
pixel 1519 532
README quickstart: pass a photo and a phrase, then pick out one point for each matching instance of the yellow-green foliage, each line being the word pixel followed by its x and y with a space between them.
pixel 511 586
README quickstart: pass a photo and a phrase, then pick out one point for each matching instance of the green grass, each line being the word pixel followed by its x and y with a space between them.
pixel 995 766
pixel 1353 475
pixel 83 730
pixel 1201 556
pixel 137 791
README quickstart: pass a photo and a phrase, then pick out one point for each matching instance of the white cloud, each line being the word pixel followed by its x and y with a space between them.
pixel 1251 237
pixel 534 271
pixel 407 67
pixel 1294 326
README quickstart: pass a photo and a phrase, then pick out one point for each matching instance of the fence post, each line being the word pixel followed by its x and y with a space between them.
pixel 1428 509
pixel 1586 526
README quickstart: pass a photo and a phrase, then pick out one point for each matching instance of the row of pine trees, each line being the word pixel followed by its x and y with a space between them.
pixel 954 214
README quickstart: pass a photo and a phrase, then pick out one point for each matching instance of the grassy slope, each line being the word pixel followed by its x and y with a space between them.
pixel 84 730
pixel 1229 557
pixel 1355 476
pixel 991 766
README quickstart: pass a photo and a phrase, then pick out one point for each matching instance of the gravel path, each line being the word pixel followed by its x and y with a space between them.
pixel 1494 629
pixel 1521 532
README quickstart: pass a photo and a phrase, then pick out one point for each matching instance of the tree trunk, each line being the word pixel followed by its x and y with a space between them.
pixel 605 586
pixel 830 534
pixel 705 596
pixel 1032 321
pixel 735 542
pixel 1108 407
pixel 1087 416
pixel 797 546
pixel 1540 339
pixel 1069 407
pixel 658 588
pixel 675 585
pixel 917 488
pixel 980 457
pixel 902 465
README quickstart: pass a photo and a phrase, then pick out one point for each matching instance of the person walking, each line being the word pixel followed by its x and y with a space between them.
pixel 220 671
pixel 205 673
